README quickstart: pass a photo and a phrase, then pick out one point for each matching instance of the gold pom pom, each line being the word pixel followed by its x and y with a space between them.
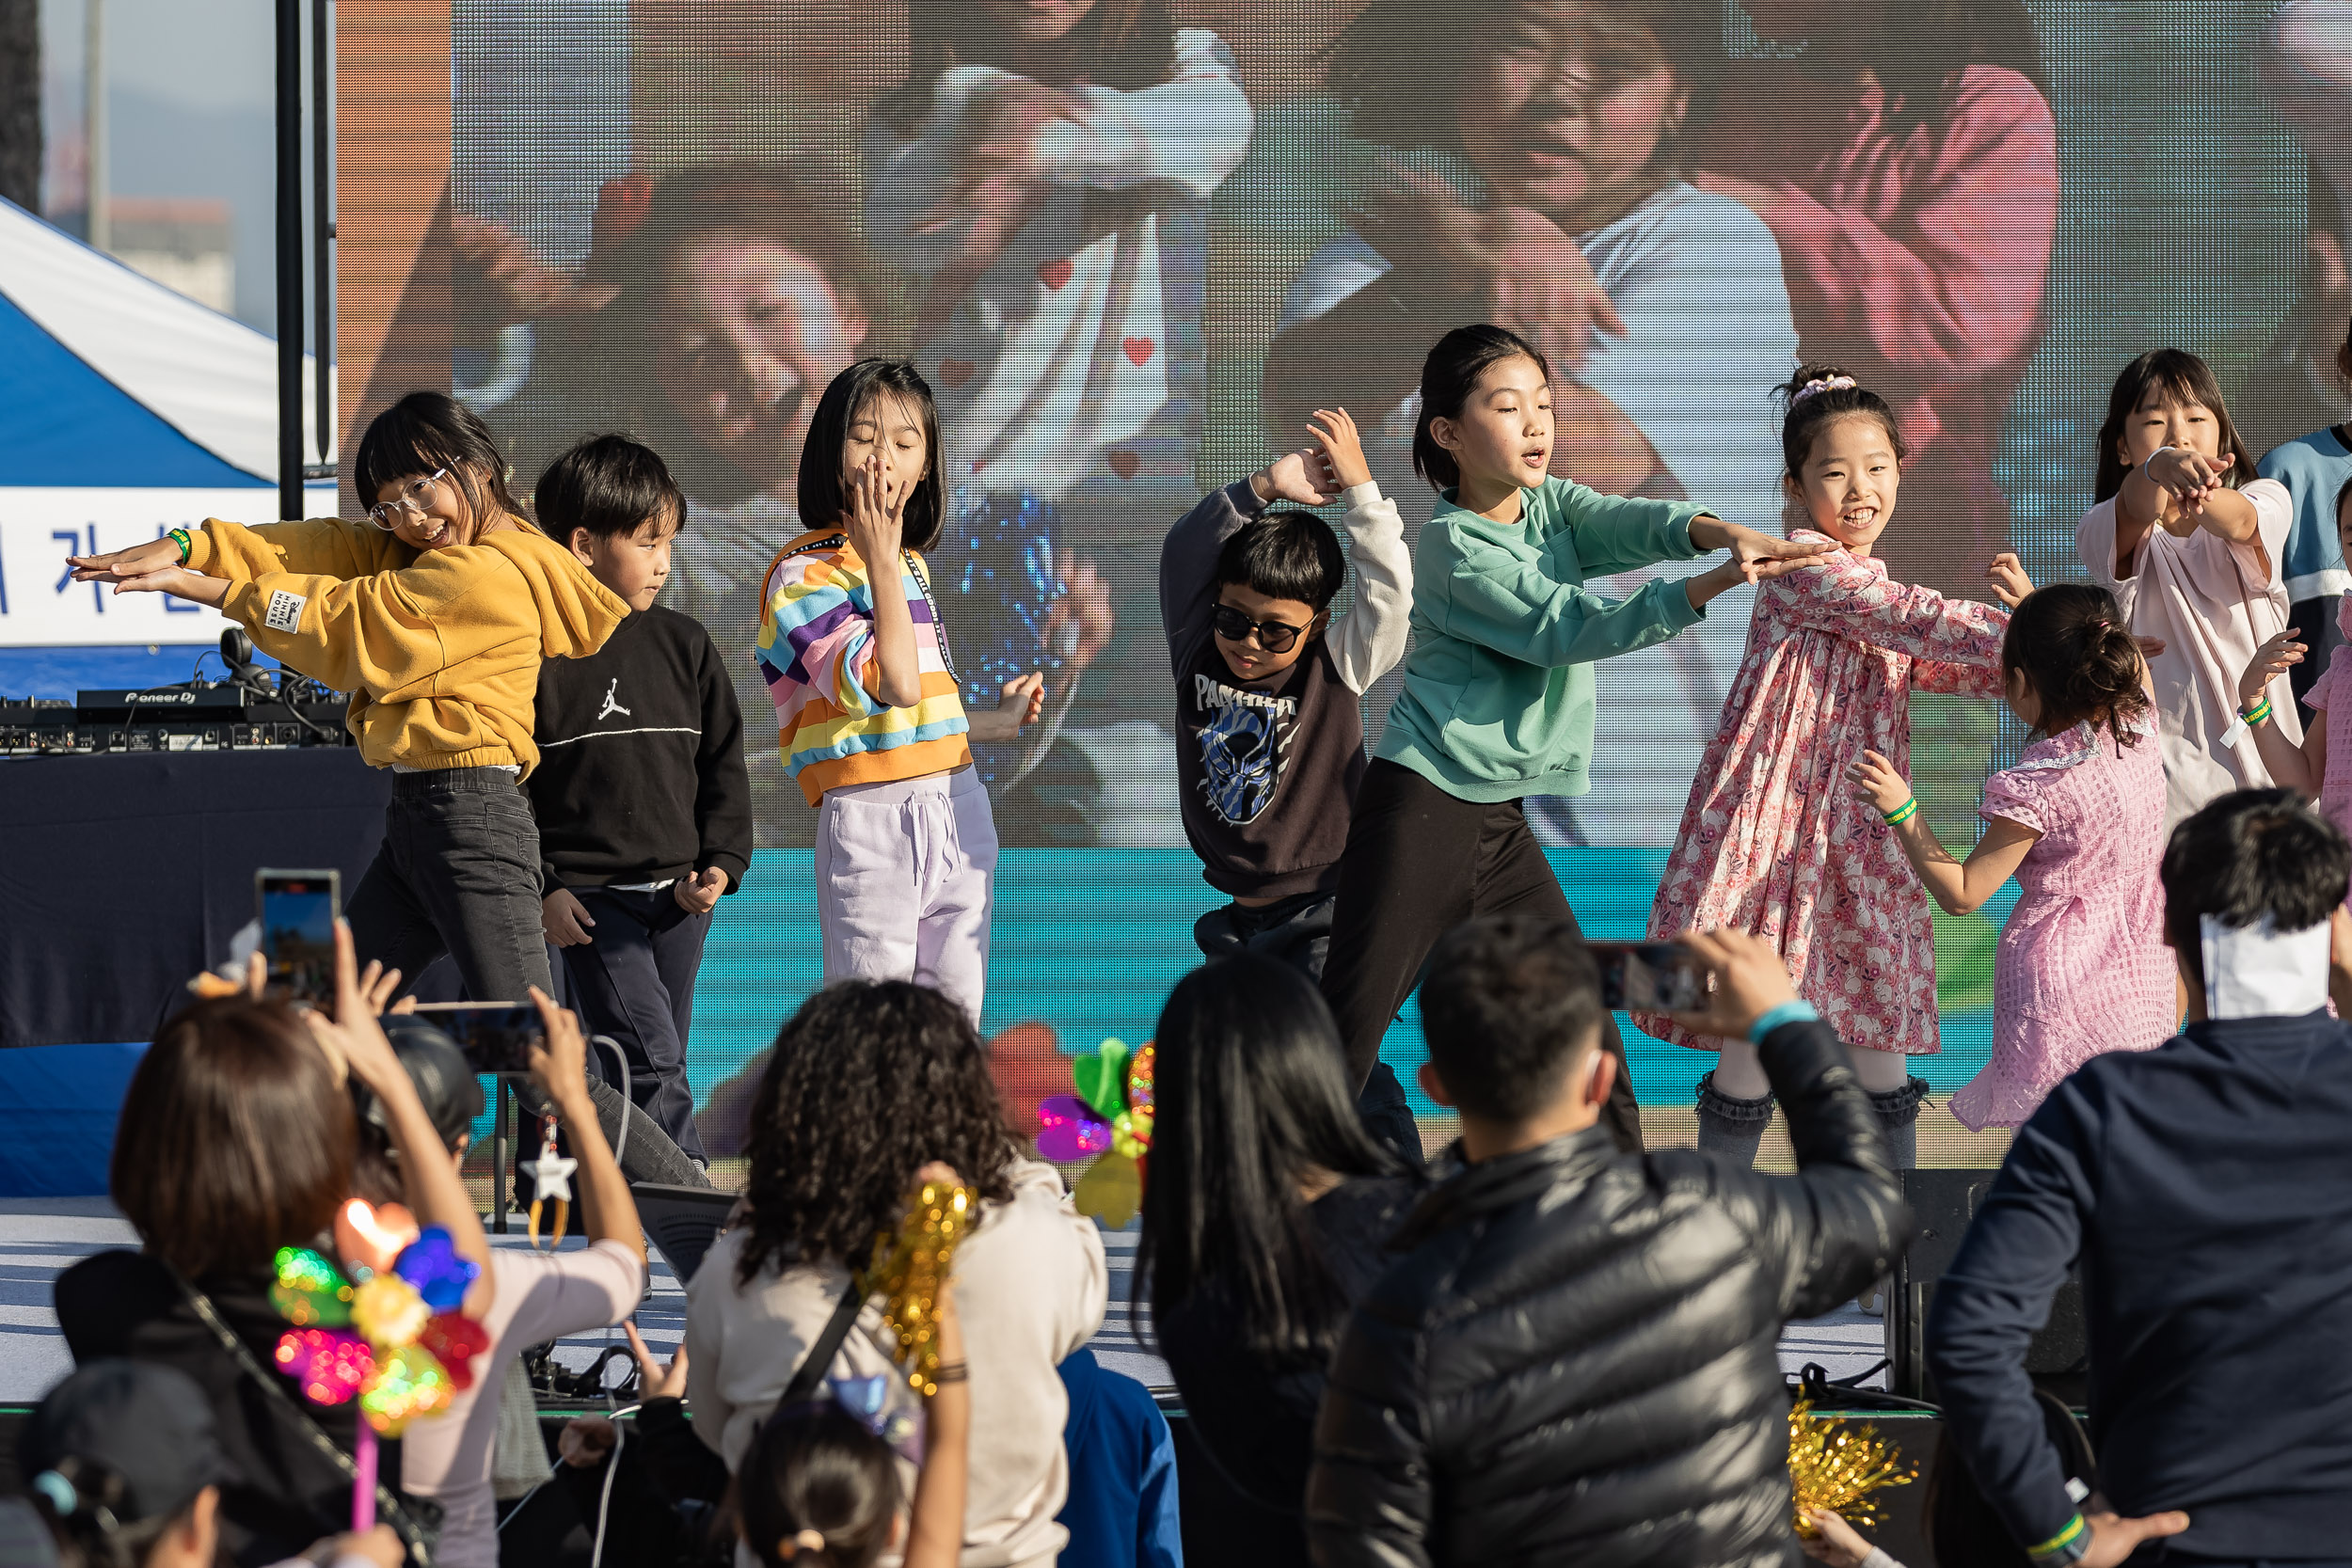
pixel 910 1269
pixel 1838 1466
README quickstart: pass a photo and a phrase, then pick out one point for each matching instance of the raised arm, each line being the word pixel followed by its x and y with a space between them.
pixel 2300 767
pixel 559 1065
pixel 1958 887
pixel 894 676
pixel 1188 554
pixel 935 1519
pixel 433 1189
pixel 1840 1222
pixel 1368 641
pixel 1355 331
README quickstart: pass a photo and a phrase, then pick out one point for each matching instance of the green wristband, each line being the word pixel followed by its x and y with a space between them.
pixel 2259 714
pixel 181 537
pixel 1903 813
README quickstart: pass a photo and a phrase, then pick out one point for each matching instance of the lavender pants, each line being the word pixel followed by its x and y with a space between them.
pixel 906 872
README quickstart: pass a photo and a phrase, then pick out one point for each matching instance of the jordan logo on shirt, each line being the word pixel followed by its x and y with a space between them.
pixel 611 707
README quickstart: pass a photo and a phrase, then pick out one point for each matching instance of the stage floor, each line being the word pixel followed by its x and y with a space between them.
pixel 40 1238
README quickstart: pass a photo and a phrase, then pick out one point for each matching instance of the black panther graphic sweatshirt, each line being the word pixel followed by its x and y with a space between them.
pixel 1267 777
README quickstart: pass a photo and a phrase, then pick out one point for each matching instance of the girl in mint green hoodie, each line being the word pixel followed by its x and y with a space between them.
pixel 1498 699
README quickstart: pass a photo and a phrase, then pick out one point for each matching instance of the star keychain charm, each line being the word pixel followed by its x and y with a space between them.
pixel 551 1178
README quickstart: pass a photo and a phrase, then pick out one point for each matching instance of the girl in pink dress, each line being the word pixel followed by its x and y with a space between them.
pixel 2304 766
pixel 1770 842
pixel 2082 966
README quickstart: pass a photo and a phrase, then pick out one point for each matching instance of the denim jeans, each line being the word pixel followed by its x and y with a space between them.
pixel 458 873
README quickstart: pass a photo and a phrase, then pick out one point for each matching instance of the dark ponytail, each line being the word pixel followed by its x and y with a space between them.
pixel 2073 644
pixel 1447 378
pixel 426 431
pixel 1811 402
pixel 815 1478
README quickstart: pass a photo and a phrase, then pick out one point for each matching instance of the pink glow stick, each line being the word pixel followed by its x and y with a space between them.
pixel 363 1485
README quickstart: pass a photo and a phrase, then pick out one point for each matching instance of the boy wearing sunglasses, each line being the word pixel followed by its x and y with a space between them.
pixel 1269 688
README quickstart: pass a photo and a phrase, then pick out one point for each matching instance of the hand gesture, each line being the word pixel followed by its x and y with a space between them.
pixel 494 264
pixel 559 1058
pixel 1535 281
pixel 1746 980
pixel 1302 476
pixel 878 502
pixel 566 919
pixel 1078 624
pixel 2274 658
pixel 2187 477
pixel 1836 1542
pixel 1760 556
pixel 700 892
pixel 1876 781
pixel 997 191
pixel 1025 696
pixel 139 561
pixel 352 1036
pixel 2010 585
pixel 1342 449
pixel 2114 1539
pixel 654 1380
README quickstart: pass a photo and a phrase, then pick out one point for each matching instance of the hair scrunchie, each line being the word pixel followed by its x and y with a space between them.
pixel 806 1541
pixel 1822 384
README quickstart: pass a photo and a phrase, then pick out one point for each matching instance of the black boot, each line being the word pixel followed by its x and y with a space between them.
pixel 1731 1128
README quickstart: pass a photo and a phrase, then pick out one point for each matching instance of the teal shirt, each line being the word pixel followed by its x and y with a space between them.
pixel 1498 699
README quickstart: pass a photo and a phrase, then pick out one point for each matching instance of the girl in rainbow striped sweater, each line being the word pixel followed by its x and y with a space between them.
pixel 866 710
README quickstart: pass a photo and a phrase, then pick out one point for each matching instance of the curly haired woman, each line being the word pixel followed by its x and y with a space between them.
pixel 869 1082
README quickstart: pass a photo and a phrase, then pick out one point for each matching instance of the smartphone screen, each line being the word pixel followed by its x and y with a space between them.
pixel 297 911
pixel 1650 976
pixel 496 1037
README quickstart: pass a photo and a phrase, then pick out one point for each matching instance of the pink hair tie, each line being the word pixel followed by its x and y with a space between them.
pixel 1822 384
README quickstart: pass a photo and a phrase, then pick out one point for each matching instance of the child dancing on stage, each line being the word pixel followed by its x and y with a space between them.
pixel 1498 699
pixel 867 708
pixel 1769 843
pixel 2306 767
pixel 2082 966
pixel 2194 564
pixel 435 614
pixel 1269 696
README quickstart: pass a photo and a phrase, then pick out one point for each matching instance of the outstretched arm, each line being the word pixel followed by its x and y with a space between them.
pixel 2300 767
pixel 1958 887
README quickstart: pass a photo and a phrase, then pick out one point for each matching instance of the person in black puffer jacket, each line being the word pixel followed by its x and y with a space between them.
pixel 1574 1360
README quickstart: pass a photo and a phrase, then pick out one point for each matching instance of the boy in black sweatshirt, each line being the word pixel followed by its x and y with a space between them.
pixel 2205 1188
pixel 642 798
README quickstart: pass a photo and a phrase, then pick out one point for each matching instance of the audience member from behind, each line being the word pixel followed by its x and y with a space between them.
pixel 1125 1509
pixel 819 1488
pixel 871 1082
pixel 1576 1355
pixel 1262 1221
pixel 644 802
pixel 2200 1186
pixel 123 1468
pixel 541 1296
pixel 235 1139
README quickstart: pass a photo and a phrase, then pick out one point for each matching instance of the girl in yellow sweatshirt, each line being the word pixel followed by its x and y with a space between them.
pixel 433 613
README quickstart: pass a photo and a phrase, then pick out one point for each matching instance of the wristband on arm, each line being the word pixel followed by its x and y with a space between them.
pixel 181 537
pixel 1798 1012
pixel 2067 1546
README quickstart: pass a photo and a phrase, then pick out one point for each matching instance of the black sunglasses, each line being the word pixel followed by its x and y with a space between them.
pixel 1275 637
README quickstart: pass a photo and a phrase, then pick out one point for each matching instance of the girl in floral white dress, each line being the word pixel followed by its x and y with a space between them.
pixel 1770 841
pixel 2082 967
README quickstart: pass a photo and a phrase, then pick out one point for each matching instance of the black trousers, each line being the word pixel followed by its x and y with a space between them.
pixel 1420 861
pixel 458 874
pixel 1298 932
pixel 634 982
